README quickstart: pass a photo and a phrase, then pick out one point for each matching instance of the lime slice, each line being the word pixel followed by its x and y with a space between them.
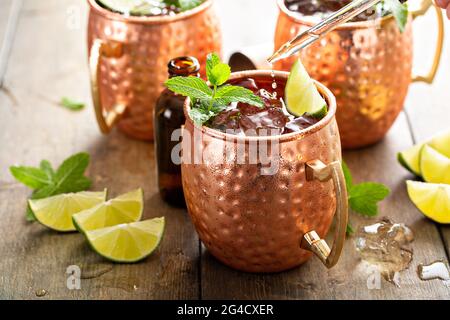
pixel 127 242
pixel 432 199
pixel 123 209
pixel 302 95
pixel 410 159
pixel 56 212
pixel 133 7
pixel 435 167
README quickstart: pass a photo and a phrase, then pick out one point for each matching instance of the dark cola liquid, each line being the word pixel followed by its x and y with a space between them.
pixel 272 119
pixel 320 9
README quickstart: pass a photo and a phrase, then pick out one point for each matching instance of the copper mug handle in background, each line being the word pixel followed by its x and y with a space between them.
pixel 425 5
pixel 106 119
pixel 317 170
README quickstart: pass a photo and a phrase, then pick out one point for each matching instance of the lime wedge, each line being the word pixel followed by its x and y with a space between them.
pixel 127 242
pixel 435 167
pixel 123 209
pixel 133 7
pixel 410 159
pixel 56 212
pixel 432 199
pixel 302 95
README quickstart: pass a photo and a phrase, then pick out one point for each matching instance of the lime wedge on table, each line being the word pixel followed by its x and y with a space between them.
pixel 302 95
pixel 432 199
pixel 123 209
pixel 56 212
pixel 410 159
pixel 127 242
pixel 434 166
pixel 134 7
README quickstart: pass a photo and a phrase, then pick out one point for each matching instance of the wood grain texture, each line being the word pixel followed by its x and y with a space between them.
pixel 428 106
pixel 48 61
pixel 348 280
pixel 34 127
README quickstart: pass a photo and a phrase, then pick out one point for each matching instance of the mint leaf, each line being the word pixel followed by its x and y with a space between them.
pixel 48 169
pixel 31 177
pixel 217 72
pixel 212 60
pixel 399 11
pixel 71 169
pixel 189 4
pixel 227 94
pixel 29 216
pixel 71 104
pixel 347 175
pixel 46 182
pixel 192 87
pixel 350 229
pixel 364 197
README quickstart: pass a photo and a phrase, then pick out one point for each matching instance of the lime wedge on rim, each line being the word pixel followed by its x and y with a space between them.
pixel 432 199
pixel 435 167
pixel 123 209
pixel 410 159
pixel 301 94
pixel 56 212
pixel 127 243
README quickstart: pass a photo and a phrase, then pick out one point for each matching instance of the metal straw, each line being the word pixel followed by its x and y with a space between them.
pixel 307 37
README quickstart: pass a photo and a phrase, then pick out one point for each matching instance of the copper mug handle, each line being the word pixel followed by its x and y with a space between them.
pixel 317 170
pixel 106 119
pixel 424 6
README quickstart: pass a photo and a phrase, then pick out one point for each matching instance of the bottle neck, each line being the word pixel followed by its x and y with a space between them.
pixel 184 67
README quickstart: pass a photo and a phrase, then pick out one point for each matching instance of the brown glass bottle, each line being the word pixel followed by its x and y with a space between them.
pixel 169 116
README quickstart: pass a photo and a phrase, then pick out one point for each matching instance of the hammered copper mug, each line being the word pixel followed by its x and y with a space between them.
pixel 128 58
pixel 266 223
pixel 367 65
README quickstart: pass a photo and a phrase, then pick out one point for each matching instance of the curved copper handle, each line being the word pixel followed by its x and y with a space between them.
pixel 105 119
pixel 317 170
pixel 425 5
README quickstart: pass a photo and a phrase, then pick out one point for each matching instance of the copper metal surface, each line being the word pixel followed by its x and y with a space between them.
pixel 367 65
pixel 134 78
pixel 256 223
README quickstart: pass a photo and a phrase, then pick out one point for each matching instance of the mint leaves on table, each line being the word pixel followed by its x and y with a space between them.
pixel 46 182
pixel 207 102
pixel 399 11
pixel 363 198
pixel 71 104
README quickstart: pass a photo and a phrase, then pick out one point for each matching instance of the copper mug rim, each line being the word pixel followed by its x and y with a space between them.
pixel 283 75
pixel 345 26
pixel 151 20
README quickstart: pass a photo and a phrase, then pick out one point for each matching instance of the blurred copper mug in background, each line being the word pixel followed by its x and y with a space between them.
pixel 367 65
pixel 266 222
pixel 128 58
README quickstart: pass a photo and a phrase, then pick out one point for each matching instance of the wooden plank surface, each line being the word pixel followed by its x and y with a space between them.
pixel 34 127
pixel 348 280
pixel 428 106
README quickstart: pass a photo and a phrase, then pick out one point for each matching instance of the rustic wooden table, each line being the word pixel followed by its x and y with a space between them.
pixel 43 57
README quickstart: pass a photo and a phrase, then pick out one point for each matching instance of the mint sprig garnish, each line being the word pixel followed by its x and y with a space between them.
pixel 46 182
pixel 399 11
pixel 363 198
pixel 207 102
